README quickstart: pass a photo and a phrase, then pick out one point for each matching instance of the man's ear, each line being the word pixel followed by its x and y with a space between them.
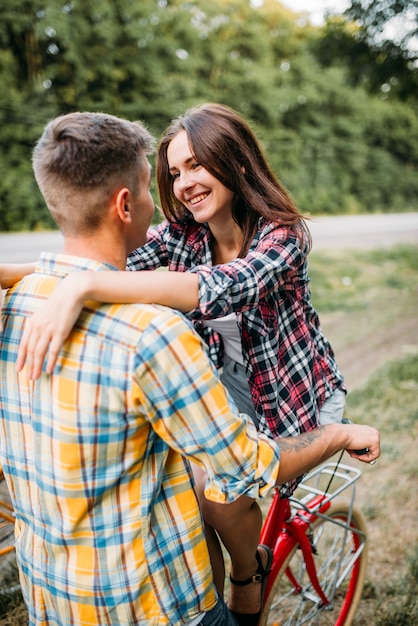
pixel 123 205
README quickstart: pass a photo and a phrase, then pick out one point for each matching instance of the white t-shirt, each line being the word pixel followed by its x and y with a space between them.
pixel 227 327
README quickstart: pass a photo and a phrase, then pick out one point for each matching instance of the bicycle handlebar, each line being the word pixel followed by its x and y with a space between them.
pixel 362 451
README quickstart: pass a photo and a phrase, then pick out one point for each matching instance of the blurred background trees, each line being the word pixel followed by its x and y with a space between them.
pixel 335 106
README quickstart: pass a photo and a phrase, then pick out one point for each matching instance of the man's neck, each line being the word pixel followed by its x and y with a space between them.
pixel 96 249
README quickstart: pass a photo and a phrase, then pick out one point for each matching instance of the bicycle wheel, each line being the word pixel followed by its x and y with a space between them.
pixel 340 570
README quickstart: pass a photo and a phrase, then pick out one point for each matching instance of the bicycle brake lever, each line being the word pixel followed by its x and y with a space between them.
pixel 362 451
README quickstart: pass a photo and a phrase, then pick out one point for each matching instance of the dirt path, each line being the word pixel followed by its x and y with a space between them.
pixel 367 348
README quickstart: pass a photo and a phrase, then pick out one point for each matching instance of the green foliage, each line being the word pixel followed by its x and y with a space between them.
pixel 376 41
pixel 337 145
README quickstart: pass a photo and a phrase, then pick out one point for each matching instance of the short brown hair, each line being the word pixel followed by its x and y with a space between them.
pixel 81 159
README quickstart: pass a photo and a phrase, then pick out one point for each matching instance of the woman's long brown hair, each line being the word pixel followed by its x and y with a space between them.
pixel 224 144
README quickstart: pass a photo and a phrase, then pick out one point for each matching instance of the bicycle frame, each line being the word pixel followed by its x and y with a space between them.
pixel 284 528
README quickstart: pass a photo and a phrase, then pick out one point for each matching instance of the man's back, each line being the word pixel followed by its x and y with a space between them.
pixel 84 457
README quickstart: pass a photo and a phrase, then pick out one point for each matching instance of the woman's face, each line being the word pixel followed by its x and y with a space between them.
pixel 201 193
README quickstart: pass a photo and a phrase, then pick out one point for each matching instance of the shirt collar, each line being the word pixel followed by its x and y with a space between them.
pixel 62 264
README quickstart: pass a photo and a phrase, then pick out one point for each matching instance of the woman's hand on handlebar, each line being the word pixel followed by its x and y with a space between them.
pixel 357 449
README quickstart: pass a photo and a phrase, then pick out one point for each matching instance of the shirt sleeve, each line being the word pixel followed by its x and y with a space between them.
pixel 243 283
pixel 190 410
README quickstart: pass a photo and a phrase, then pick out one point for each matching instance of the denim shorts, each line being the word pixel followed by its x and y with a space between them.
pixel 234 378
pixel 219 616
pixel 332 410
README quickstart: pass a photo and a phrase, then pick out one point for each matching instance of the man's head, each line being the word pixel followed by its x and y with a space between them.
pixel 83 160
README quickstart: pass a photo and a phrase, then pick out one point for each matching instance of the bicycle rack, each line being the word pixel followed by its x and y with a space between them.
pixel 338 478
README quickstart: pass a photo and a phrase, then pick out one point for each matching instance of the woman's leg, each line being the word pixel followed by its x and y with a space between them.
pixel 238 525
pixel 214 546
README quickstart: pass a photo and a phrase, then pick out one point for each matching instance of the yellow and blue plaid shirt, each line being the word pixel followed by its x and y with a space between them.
pixel 108 529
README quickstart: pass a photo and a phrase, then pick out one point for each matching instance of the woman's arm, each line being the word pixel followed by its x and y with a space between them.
pixel 302 453
pixel 275 259
pixel 178 290
pixel 11 273
pixel 50 325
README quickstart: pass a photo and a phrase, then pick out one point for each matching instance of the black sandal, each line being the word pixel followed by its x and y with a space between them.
pixel 252 619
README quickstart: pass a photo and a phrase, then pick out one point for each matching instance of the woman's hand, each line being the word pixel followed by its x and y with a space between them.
pixel 49 326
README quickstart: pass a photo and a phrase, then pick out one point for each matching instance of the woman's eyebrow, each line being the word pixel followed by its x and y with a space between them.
pixel 186 162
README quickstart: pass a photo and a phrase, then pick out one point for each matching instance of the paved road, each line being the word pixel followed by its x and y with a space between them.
pixel 351 231
pixel 364 231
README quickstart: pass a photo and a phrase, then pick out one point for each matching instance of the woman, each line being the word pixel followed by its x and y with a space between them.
pixel 236 248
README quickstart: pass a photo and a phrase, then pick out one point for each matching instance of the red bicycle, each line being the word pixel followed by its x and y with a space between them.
pixel 319 551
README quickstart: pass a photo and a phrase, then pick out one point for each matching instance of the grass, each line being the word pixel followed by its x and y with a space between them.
pixel 349 282
pixel 401 608
pixel 12 609
pixel 363 297
pixel 387 494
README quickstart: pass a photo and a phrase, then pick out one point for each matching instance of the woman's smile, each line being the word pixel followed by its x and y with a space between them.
pixel 196 199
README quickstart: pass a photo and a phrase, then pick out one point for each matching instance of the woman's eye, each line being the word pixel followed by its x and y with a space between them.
pixel 175 175
pixel 195 165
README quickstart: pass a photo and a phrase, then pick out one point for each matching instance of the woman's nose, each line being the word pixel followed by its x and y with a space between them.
pixel 185 181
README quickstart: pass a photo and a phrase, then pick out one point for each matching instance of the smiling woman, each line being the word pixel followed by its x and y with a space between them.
pixel 205 197
pixel 262 290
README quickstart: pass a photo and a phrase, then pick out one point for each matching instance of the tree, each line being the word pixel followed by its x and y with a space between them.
pixel 337 120
pixel 377 41
pixel 22 115
pixel 385 22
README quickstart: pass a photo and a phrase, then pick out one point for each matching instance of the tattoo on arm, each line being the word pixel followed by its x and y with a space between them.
pixel 295 444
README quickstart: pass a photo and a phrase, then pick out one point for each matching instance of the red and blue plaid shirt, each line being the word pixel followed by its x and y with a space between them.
pixel 291 368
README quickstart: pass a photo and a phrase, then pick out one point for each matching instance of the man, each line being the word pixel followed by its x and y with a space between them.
pixel 96 455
